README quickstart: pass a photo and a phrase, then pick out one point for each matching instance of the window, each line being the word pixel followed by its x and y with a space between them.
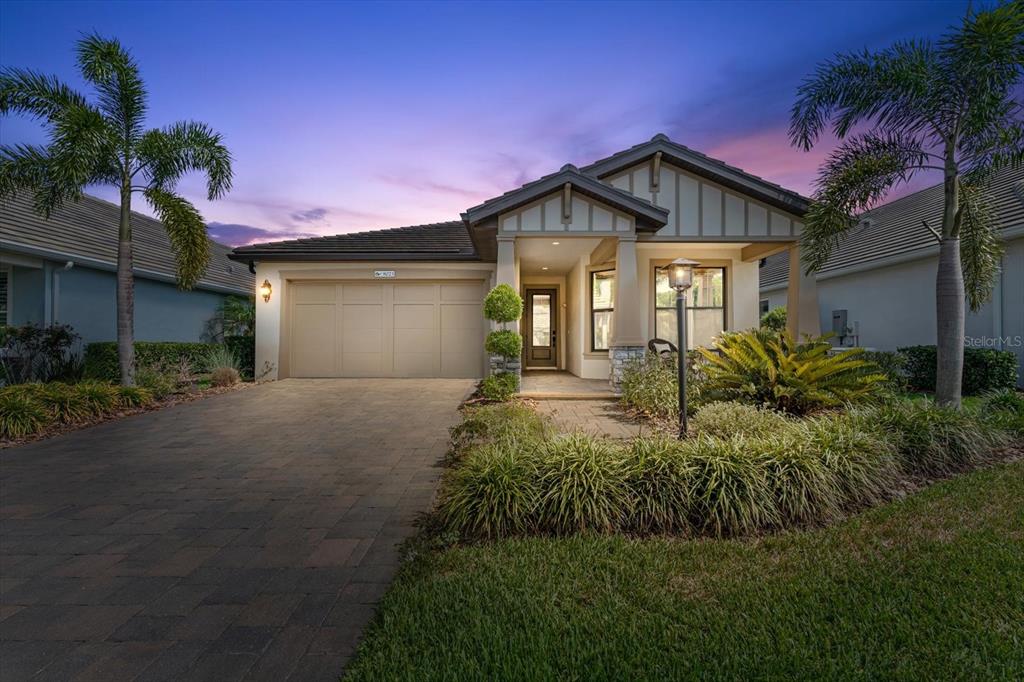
pixel 765 306
pixel 5 296
pixel 705 307
pixel 602 308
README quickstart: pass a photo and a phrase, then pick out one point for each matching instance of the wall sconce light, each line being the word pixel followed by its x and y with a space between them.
pixel 266 290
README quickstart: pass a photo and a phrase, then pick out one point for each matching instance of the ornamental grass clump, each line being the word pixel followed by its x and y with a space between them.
pixel 864 465
pixel 661 483
pixel 1005 410
pixel 930 440
pixel 134 396
pixel 650 385
pixel 726 419
pixel 64 402
pixel 21 413
pixel 492 494
pixel 500 422
pixel 582 482
pixel 98 397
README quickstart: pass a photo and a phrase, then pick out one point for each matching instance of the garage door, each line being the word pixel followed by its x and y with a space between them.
pixel 393 329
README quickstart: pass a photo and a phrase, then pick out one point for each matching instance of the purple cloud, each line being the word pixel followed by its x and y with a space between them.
pixel 235 234
pixel 311 215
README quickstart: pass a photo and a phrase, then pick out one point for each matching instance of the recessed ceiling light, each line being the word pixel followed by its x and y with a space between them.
pixel 544 267
pixel 555 243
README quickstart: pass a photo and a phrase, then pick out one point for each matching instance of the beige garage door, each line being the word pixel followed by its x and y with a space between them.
pixel 393 329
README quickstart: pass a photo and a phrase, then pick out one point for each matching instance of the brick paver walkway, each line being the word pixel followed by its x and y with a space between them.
pixel 595 417
pixel 244 536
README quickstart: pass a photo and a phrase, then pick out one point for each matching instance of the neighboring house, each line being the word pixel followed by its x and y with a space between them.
pixel 583 246
pixel 882 276
pixel 61 270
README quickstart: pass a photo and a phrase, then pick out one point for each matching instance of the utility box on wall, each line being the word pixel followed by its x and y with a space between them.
pixel 839 324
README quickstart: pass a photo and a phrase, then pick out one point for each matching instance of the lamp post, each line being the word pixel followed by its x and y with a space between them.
pixel 680 278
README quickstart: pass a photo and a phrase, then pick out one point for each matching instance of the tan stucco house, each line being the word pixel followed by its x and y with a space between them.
pixel 583 246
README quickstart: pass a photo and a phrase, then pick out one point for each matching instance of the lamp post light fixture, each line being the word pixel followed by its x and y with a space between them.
pixel 266 290
pixel 680 278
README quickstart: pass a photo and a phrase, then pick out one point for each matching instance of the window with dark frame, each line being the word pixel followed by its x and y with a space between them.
pixel 602 308
pixel 705 307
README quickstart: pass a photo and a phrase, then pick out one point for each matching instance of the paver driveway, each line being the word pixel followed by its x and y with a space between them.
pixel 243 536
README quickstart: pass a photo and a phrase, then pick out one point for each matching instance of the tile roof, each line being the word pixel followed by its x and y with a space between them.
pixel 896 228
pixel 432 242
pixel 86 231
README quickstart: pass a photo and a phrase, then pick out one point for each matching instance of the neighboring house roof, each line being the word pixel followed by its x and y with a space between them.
pixel 86 232
pixel 701 164
pixel 433 242
pixel 646 213
pixel 896 229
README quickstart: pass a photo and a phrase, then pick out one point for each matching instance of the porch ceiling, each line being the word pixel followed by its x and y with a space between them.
pixel 537 253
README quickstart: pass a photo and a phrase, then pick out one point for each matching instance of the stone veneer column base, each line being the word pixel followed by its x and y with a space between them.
pixel 514 366
pixel 618 358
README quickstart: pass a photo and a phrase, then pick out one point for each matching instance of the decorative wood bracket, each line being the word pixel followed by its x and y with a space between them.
pixel 656 173
pixel 567 203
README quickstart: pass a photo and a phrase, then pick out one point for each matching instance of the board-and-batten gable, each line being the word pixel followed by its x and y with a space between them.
pixel 702 209
pixel 546 215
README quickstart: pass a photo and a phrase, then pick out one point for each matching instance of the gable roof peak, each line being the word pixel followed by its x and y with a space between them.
pixel 569 167
pixel 660 137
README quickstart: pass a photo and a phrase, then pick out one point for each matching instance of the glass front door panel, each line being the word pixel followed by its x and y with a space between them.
pixel 541 309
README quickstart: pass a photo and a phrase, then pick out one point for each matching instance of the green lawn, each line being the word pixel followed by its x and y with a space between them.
pixel 931 587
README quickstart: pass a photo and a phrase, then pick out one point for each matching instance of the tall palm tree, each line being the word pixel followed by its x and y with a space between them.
pixel 106 143
pixel 951 107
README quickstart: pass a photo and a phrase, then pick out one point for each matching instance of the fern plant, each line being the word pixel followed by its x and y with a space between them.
pixel 772 369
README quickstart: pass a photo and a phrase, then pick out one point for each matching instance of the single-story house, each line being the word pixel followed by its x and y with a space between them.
pixel 62 270
pixel 584 246
pixel 879 284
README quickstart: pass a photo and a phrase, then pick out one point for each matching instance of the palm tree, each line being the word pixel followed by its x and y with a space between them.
pixel 949 107
pixel 106 143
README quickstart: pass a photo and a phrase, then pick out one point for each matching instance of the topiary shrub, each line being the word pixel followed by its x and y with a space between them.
pixel 985 369
pixel 505 343
pixel 774 320
pixel 503 304
pixel 499 387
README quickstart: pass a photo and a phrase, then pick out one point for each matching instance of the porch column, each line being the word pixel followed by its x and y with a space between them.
pixel 802 315
pixel 628 338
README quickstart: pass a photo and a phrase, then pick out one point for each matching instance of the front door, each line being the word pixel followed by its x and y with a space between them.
pixel 541 328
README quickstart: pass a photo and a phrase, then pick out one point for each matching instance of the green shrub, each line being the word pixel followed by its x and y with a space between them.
pixel 491 423
pixel 582 485
pixel 499 387
pixel 984 369
pixel 244 350
pixel 63 402
pixel 224 376
pixel 503 304
pixel 893 365
pixel 650 385
pixel 725 419
pixel 774 320
pixel 101 357
pixel 504 342
pixel 99 398
pixel 134 396
pixel 155 378
pixel 21 413
pixel 492 494
pixel 864 465
pixel 771 369
pixel 931 440
pixel 218 357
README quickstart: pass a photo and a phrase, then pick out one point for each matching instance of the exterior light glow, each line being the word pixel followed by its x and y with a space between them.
pixel 266 290
pixel 544 267
pixel 680 274
pixel 555 243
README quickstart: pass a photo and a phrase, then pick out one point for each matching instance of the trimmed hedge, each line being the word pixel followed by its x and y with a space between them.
pixel 985 369
pixel 101 356
pixel 244 350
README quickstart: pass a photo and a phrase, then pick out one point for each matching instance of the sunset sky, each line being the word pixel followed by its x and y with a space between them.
pixel 348 116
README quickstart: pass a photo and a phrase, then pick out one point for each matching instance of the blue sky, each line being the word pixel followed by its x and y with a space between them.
pixel 347 116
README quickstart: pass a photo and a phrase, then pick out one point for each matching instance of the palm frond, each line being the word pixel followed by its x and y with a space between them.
pixel 111 69
pixel 166 155
pixel 23 91
pixel 187 232
pixel 981 249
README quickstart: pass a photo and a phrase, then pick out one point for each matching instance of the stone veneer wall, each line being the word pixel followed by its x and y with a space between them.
pixel 513 366
pixel 619 357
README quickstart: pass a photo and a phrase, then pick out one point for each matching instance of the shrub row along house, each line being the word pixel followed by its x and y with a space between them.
pixel 583 246
pixel 61 270
pixel 880 281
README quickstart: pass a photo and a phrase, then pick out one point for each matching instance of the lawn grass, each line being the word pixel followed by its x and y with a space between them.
pixel 930 587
